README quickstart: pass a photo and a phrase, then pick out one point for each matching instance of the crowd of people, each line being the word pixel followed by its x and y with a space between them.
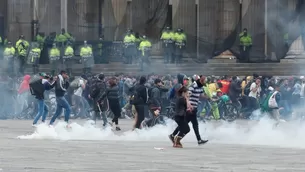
pixel 145 97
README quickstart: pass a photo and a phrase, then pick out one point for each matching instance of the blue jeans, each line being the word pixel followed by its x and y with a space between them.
pixel 62 103
pixel 204 104
pixel 43 110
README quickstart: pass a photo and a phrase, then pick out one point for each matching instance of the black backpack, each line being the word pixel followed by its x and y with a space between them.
pixel 247 88
pixel 36 86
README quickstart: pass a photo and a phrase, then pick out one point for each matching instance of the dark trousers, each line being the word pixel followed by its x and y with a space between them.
pixel 191 117
pixel 244 53
pixel 183 127
pixel 141 115
pixel 168 54
pixel 22 61
pixel 144 59
pixel 114 106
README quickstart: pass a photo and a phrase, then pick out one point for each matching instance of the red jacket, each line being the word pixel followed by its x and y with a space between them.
pixel 225 86
pixel 24 86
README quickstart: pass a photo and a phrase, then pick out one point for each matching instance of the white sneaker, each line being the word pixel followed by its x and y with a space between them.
pixel 34 125
pixel 68 126
pixel 51 126
pixel 282 120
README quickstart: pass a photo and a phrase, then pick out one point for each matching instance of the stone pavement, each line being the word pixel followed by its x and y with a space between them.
pixel 127 156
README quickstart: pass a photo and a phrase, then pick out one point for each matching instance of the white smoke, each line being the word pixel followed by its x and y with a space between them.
pixel 264 132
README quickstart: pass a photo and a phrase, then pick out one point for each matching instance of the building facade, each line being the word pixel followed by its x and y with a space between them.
pixel 210 26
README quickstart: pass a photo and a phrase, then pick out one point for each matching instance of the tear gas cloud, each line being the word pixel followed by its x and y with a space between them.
pixel 264 132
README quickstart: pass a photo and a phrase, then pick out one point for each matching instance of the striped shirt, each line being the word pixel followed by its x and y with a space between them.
pixel 195 93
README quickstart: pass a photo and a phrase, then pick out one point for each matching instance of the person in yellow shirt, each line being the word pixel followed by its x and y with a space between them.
pixel 68 57
pixel 54 58
pixel 245 91
pixel 180 43
pixel 145 47
pixel 129 46
pixel 167 38
pixel 245 45
pixel 87 57
pixel 9 53
pixel 22 47
pixel 34 56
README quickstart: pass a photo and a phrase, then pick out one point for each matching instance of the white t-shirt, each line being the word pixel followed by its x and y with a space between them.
pixel 254 93
pixel 79 90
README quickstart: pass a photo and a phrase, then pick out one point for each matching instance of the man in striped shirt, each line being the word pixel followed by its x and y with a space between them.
pixel 196 92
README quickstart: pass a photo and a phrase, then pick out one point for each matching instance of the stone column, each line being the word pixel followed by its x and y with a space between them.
pixel 64 14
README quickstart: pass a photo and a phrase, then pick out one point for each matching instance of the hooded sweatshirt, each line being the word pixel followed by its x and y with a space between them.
pixel 61 86
pixel 24 86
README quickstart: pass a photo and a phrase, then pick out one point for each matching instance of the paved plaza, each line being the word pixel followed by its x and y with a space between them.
pixel 51 155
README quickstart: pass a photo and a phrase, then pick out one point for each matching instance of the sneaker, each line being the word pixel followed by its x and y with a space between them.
pixel 51 126
pixel 34 125
pixel 202 142
pixel 171 138
pixel 117 128
pixel 68 126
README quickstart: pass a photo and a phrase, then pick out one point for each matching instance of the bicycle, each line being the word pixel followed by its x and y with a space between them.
pixel 227 111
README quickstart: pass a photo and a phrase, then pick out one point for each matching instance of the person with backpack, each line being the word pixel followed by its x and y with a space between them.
pixel 61 86
pixel 271 104
pixel 38 85
pixel 139 100
pixel 100 104
pixel 78 85
pixel 154 100
pixel 112 94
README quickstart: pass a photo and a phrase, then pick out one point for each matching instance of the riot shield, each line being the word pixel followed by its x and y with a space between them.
pixel 167 43
pixel 33 56
pixel 54 59
pixel 87 58
pixel 67 57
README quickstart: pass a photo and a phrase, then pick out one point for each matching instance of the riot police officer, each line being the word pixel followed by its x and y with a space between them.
pixel 22 47
pixel 87 57
pixel 68 57
pixel 145 47
pixel 99 55
pixel 129 46
pixel 167 38
pixel 34 56
pixel 180 42
pixel 54 58
pixel 9 53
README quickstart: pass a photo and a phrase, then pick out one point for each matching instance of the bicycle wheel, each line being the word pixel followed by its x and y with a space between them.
pixel 230 113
